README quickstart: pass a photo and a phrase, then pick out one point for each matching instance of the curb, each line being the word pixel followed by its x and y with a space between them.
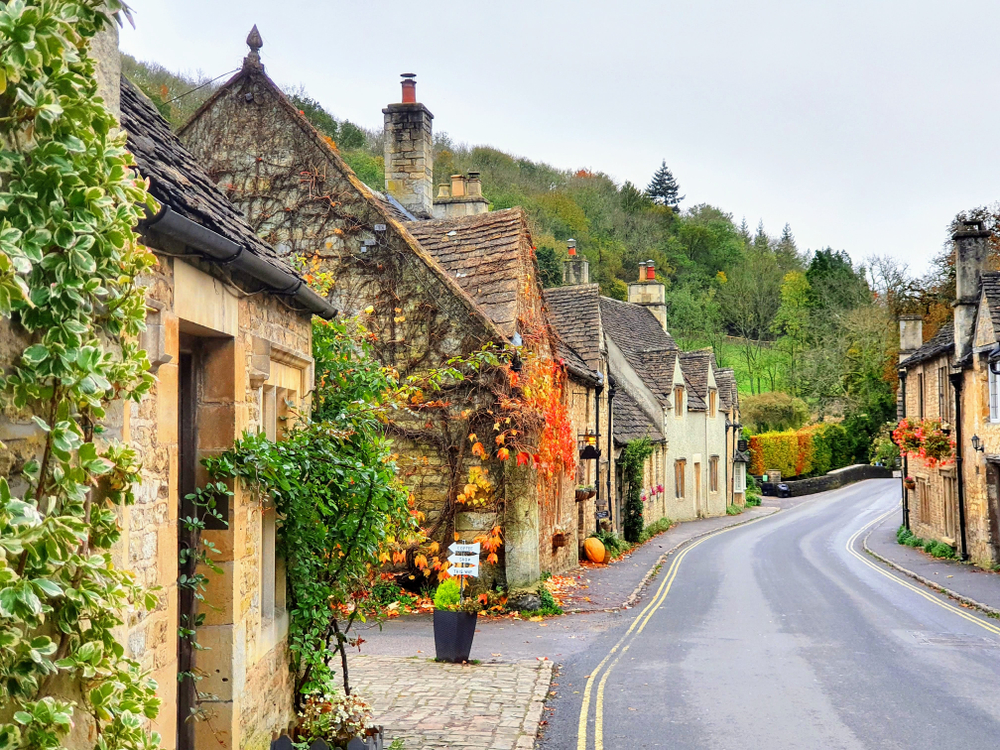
pixel 984 608
pixel 634 596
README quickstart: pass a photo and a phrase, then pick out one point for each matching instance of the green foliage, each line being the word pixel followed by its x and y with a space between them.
pixel 773 412
pixel 663 188
pixel 657 527
pixel 69 261
pixel 334 484
pixel 733 510
pixel 884 452
pixel 752 494
pixel 549 267
pixel 811 451
pixel 176 96
pixel 930 546
pixel 548 607
pixel 632 460
pixel 612 542
pixel 447 595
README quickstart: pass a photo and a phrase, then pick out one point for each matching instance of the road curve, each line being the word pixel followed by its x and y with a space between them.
pixel 783 634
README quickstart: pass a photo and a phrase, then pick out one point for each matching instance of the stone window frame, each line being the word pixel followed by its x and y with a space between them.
pixel 994 390
pixel 678 401
pixel 713 474
pixel 680 480
pixel 713 400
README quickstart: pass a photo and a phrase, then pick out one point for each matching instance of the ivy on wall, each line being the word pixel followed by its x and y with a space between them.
pixel 69 261
pixel 632 461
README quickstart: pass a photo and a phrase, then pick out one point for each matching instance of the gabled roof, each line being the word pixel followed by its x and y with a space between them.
pixel 178 181
pixel 575 315
pixel 695 366
pixel 941 343
pixel 648 348
pixel 489 255
pixel 385 205
pixel 630 422
pixel 991 289
pixel 725 378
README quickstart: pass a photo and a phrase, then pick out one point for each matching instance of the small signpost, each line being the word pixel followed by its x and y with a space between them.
pixel 464 562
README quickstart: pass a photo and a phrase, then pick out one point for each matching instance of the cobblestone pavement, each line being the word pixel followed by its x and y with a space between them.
pixel 432 706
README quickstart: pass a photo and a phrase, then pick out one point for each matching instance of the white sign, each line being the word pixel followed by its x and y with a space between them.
pixel 458 547
pixel 472 571
pixel 463 559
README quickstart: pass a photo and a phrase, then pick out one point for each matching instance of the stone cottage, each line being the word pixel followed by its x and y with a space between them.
pixel 229 340
pixel 427 289
pixel 953 378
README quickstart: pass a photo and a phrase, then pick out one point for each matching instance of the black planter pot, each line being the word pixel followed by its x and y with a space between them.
pixel 453 634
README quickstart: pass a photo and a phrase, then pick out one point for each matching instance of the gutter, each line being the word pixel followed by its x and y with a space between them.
pixel 215 248
pixel 957 382
pixel 906 466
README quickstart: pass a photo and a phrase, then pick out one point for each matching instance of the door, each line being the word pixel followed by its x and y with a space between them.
pixel 993 507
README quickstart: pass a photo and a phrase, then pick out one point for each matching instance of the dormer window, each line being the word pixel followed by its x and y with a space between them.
pixel 678 401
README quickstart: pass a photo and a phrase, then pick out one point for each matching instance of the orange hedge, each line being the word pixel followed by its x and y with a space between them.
pixel 813 450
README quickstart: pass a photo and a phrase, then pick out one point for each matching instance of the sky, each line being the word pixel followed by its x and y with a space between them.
pixel 866 125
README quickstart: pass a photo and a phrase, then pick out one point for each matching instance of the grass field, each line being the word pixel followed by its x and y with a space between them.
pixel 771 374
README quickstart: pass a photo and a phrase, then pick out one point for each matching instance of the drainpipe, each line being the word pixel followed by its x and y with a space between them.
pixel 597 441
pixel 217 249
pixel 956 382
pixel 611 451
pixel 902 479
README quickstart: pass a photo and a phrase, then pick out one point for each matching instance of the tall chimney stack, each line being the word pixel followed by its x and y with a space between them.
pixel 911 335
pixel 649 293
pixel 409 151
pixel 970 257
pixel 576 268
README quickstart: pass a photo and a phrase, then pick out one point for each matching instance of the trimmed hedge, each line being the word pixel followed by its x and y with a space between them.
pixel 811 451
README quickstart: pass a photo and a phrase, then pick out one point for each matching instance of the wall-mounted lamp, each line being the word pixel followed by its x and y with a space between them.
pixel 977 444
pixel 590 449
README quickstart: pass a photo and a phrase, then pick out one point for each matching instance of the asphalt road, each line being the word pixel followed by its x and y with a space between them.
pixel 783 634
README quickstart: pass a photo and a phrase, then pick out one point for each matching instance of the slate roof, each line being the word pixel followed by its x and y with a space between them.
pixel 630 421
pixel 575 315
pixel 178 181
pixel 725 378
pixel 942 342
pixel 648 348
pixel 991 288
pixel 489 255
pixel 695 367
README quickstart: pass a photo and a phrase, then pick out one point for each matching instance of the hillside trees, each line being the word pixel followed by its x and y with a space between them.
pixel 663 188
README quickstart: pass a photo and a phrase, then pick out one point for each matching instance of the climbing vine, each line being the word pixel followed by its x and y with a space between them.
pixel 69 261
pixel 632 462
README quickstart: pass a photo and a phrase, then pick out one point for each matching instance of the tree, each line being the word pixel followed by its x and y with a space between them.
pixel 773 411
pixel 787 252
pixel 791 321
pixel 663 188
pixel 549 267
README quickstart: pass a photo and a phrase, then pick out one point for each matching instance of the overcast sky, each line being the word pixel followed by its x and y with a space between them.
pixel 866 125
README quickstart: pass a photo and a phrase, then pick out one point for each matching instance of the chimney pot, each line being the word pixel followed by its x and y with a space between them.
pixel 571 246
pixel 458 186
pixel 474 185
pixel 642 270
pixel 409 84
pixel 650 272
pixel 443 191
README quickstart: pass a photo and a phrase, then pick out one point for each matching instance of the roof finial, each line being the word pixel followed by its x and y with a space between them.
pixel 254 42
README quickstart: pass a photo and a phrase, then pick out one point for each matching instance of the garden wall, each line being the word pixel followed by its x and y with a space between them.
pixel 831 481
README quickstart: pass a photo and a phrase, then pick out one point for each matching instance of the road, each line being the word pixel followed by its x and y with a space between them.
pixel 783 634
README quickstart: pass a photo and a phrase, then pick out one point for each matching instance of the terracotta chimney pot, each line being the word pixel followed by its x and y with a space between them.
pixel 650 272
pixel 571 247
pixel 458 186
pixel 409 84
pixel 642 270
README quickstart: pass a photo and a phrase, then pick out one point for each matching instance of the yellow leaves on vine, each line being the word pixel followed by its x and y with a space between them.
pixel 503 454
pixel 478 450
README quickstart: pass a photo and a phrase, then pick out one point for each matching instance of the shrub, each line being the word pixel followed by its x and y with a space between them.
pixel 657 527
pixel 773 412
pixel 940 549
pixel 447 595
pixel 733 510
pixel 811 451
pixel 929 545
pixel 612 542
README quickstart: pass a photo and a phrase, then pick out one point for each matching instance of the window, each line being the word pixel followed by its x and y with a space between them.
pixel 679 478
pixel 739 477
pixel 994 381
pixel 923 500
pixel 920 396
pixel 679 403
pixel 275 406
pixel 944 395
pixel 713 474
pixel 950 505
pixel 712 400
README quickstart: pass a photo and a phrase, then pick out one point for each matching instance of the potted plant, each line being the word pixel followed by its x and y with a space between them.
pixel 585 492
pixel 454 622
pixel 341 721
pixel 910 483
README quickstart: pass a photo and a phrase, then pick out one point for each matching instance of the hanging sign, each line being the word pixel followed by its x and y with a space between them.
pixel 465 560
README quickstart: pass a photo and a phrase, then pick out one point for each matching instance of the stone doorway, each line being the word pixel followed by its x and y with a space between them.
pixel 993 507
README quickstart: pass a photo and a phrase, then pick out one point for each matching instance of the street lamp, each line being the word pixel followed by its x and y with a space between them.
pixel 977 444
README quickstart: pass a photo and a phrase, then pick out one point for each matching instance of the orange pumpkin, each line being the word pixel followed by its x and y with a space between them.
pixel 593 548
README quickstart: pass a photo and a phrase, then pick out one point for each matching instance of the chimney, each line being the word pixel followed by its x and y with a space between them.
pixel 108 67
pixel 649 293
pixel 911 335
pixel 409 151
pixel 970 257
pixel 466 198
pixel 576 268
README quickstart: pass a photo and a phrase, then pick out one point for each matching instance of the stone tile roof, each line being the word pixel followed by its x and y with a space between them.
pixel 178 181
pixel 648 348
pixel 489 255
pixel 725 378
pixel 630 421
pixel 942 342
pixel 695 366
pixel 575 366
pixel 393 207
pixel 991 288
pixel 575 315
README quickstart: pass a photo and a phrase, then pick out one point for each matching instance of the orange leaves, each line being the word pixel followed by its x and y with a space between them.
pixel 503 454
pixel 420 561
pixel 523 458
pixel 398 557
pixel 492 558
pixel 484 599
pixel 478 450
pixel 433 548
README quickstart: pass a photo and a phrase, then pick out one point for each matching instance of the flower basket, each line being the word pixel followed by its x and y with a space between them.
pixel 585 493
pixel 558 540
pixel 453 634
pixel 374 739
pixel 910 483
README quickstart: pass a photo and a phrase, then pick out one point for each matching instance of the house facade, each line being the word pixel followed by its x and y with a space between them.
pixel 950 379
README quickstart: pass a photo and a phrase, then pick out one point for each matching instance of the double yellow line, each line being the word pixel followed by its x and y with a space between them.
pixel 915 588
pixel 620 648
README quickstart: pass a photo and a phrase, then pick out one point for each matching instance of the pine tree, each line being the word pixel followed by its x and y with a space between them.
pixel 663 188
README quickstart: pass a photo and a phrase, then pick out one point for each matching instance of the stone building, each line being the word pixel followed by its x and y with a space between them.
pixel 950 379
pixel 229 340
pixel 428 289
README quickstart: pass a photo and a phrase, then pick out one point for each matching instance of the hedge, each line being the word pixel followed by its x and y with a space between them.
pixel 811 451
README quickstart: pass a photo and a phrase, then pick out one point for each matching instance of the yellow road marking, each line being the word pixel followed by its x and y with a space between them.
pixel 916 588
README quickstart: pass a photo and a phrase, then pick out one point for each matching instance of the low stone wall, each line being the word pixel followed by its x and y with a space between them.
pixel 830 481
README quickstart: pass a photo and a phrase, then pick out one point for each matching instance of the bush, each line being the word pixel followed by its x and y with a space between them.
pixel 447 595
pixel 940 549
pixel 773 412
pixel 657 527
pixel 752 494
pixel 811 451
pixel 613 543
pixel 733 510
pixel 930 546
